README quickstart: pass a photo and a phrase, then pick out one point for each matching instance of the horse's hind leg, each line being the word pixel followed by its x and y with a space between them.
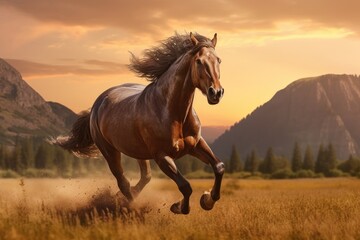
pixel 145 177
pixel 113 158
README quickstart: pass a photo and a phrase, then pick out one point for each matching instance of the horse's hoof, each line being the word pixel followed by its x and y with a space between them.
pixel 206 201
pixel 177 208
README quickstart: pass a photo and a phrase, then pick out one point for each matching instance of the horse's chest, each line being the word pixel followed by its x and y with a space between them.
pixel 182 146
pixel 184 143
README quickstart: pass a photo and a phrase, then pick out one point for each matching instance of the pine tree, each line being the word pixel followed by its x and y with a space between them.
pixel 2 156
pixel 78 167
pixel 252 162
pixel 326 160
pixel 184 164
pixel 27 153
pixel 308 163
pixel 331 158
pixel 352 165
pixel 44 157
pixel 196 164
pixel 296 163
pixel 269 163
pixel 320 160
pixel 235 164
pixel 62 161
pixel 6 155
pixel 16 159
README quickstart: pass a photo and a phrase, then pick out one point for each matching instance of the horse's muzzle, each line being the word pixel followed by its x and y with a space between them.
pixel 214 95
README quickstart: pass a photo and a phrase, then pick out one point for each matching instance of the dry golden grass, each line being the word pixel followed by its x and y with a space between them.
pixel 248 209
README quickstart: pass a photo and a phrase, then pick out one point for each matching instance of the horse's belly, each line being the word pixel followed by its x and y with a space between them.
pixel 141 153
pixel 122 135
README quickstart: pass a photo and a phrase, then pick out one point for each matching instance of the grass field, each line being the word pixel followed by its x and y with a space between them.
pixel 249 209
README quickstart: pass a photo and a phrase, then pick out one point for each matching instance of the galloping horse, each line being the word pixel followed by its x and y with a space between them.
pixel 157 121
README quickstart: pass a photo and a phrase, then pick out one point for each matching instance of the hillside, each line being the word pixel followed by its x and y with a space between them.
pixel 210 133
pixel 311 111
pixel 23 112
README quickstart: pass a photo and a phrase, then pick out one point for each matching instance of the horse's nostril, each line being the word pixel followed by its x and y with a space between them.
pixel 212 91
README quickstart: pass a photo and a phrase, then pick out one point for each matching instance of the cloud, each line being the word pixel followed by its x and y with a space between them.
pixel 90 67
pixel 156 16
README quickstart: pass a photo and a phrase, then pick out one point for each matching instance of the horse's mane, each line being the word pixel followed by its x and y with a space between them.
pixel 158 59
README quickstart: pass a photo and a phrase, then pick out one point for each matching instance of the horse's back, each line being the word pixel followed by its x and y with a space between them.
pixel 113 115
pixel 121 92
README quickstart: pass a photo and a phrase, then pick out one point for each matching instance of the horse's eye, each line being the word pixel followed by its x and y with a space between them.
pixel 198 61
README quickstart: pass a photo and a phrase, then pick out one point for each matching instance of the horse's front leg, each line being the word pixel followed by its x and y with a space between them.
pixel 168 166
pixel 204 153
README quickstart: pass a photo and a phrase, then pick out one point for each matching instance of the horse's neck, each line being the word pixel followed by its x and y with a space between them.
pixel 179 89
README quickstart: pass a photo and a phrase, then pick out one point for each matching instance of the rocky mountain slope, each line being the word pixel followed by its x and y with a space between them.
pixel 23 112
pixel 311 111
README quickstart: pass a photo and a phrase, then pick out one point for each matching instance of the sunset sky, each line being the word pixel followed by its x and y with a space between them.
pixel 71 51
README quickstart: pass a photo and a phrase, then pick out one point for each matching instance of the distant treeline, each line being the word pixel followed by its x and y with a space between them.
pixel 34 157
pixel 301 165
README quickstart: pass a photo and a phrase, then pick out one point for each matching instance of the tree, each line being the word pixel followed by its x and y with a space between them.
pixel 269 163
pixel 16 163
pixel 62 161
pixel 331 158
pixel 6 156
pixel 320 160
pixel 308 163
pixel 296 163
pixel 44 157
pixel 27 153
pixel 2 157
pixel 235 164
pixel 78 167
pixel 352 165
pixel 326 160
pixel 196 164
pixel 252 162
pixel 184 164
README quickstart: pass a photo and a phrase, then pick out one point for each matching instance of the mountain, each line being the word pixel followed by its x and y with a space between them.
pixel 210 133
pixel 310 111
pixel 23 112
pixel 66 115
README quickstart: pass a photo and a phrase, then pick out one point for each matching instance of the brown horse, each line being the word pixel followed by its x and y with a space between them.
pixel 157 121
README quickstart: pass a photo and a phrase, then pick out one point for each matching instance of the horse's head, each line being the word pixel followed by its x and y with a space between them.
pixel 205 70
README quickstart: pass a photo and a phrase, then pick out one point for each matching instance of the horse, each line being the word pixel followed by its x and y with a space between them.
pixel 156 121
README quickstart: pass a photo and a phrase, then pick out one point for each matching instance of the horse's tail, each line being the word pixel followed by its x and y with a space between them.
pixel 80 141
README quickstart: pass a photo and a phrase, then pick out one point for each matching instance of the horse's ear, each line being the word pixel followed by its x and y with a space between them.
pixel 193 39
pixel 214 40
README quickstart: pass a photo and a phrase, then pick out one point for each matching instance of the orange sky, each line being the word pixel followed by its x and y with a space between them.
pixel 71 51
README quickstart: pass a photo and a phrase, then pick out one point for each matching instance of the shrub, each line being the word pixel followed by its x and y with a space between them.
pixel 30 173
pixel 319 175
pixel 257 174
pixel 200 174
pixel 304 174
pixel 282 174
pixel 335 173
pixel 239 175
pixel 39 173
pixel 9 174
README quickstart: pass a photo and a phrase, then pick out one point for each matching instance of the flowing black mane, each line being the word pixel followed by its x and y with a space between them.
pixel 158 59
